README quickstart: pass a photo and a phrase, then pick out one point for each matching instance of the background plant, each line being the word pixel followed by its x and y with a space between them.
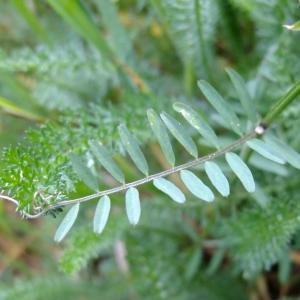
pixel 83 67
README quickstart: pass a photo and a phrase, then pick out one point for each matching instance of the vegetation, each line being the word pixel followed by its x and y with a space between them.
pixel 112 109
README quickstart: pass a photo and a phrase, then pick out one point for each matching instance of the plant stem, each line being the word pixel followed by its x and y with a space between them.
pixel 278 108
pixel 193 163
pixel 281 104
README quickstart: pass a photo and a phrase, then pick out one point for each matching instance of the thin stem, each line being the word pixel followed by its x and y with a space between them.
pixel 281 104
pixel 142 181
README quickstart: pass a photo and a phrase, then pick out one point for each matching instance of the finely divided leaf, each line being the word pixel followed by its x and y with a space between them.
pixel 83 172
pixel 180 133
pixel 67 223
pixel 196 186
pixel 197 122
pixel 265 150
pixel 223 108
pixel 101 214
pixel 105 159
pixel 133 206
pixel 133 149
pixel 170 189
pixel 241 170
pixel 162 136
pixel 285 151
pixel 243 94
pixel 217 178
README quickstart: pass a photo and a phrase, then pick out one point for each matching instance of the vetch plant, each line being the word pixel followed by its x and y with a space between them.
pixel 271 148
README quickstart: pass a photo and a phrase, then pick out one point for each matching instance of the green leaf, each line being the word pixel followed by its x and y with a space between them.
pixel 101 214
pixel 195 120
pixel 265 150
pixel 67 223
pixel 223 108
pixel 180 133
pixel 72 13
pixel 105 159
pixel 196 186
pixel 133 206
pixel 170 189
pixel 243 94
pixel 265 164
pixel 162 136
pixel 83 172
pixel 241 170
pixel 217 178
pixel 285 151
pixel 293 27
pixel 133 149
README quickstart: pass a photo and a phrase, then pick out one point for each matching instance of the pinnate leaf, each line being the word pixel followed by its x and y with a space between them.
pixel 223 108
pixel 133 205
pixel 101 214
pixel 196 186
pixel 162 136
pixel 217 178
pixel 180 133
pixel 241 170
pixel 133 149
pixel 83 172
pixel 170 189
pixel 67 223
pixel 195 120
pixel 105 159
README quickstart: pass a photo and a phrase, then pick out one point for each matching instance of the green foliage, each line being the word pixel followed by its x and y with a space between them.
pixel 79 69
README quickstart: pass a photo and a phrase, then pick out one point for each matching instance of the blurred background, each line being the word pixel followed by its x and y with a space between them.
pixel 74 69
